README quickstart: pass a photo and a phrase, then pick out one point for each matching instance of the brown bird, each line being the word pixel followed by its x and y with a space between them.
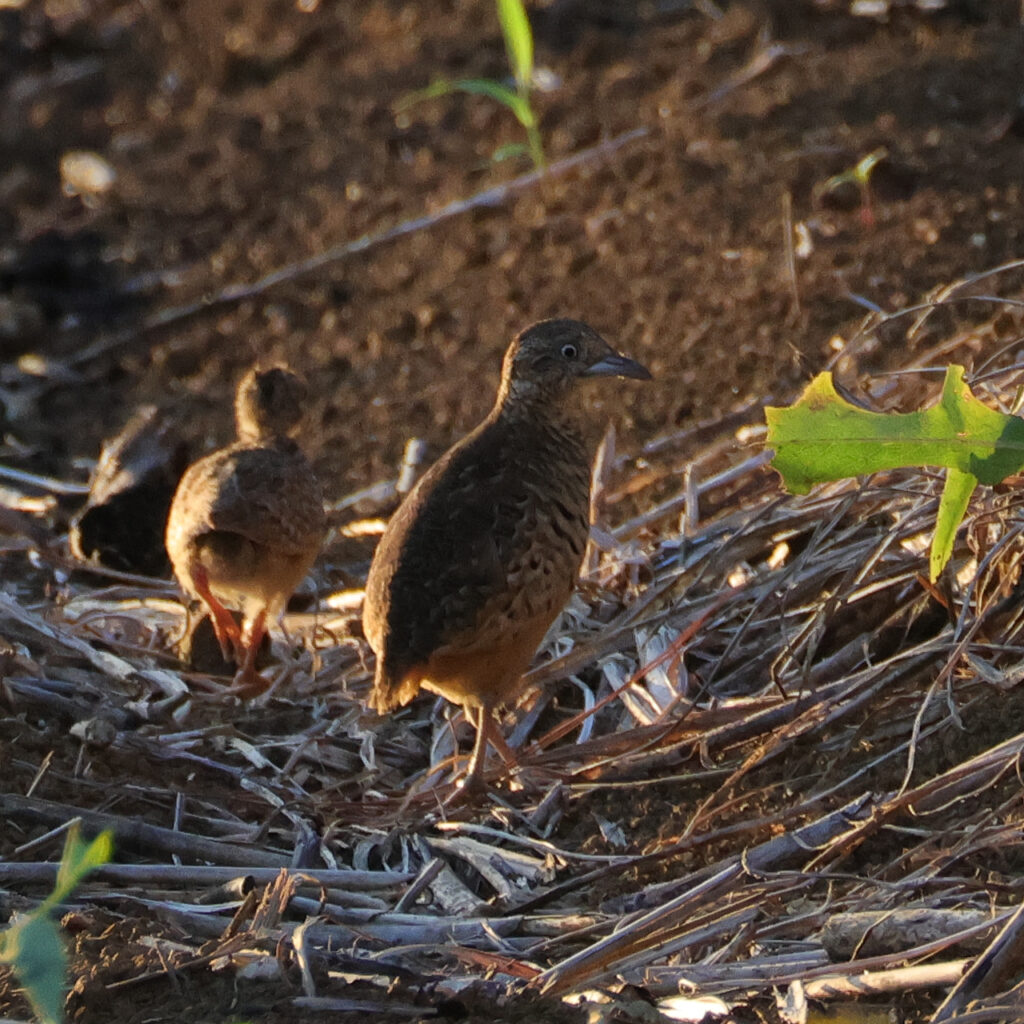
pixel 483 553
pixel 247 521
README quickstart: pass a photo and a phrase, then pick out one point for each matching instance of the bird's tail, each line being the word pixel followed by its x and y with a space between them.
pixel 392 690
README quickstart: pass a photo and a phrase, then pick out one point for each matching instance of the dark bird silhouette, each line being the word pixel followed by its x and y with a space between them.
pixel 483 553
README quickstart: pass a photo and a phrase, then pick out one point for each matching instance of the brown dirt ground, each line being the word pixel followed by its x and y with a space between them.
pixel 250 137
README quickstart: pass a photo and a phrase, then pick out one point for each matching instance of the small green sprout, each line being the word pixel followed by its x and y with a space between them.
pixel 859 176
pixel 515 27
pixel 33 945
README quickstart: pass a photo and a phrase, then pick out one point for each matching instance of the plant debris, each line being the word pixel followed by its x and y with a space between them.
pixel 835 733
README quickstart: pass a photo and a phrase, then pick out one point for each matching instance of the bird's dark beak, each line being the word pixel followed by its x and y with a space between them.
pixel 616 365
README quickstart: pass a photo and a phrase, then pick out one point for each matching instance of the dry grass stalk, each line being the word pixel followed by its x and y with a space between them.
pixel 821 732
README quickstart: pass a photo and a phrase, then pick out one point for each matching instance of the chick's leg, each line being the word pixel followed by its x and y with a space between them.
pixel 229 636
pixel 247 677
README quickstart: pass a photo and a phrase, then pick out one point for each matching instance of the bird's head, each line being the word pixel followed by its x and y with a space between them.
pixel 268 402
pixel 548 359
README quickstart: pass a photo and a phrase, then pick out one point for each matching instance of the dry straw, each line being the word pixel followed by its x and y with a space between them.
pixel 828 741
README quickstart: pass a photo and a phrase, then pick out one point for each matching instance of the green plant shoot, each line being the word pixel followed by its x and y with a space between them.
pixel 33 945
pixel 823 437
pixel 860 176
pixel 515 28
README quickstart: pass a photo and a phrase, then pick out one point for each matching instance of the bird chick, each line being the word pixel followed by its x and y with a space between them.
pixel 484 552
pixel 247 521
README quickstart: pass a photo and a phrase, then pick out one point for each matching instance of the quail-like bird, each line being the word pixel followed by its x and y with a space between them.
pixel 247 521
pixel 483 553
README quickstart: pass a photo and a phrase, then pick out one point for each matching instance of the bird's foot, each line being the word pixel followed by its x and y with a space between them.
pixel 467 791
pixel 472 785
pixel 248 682
pixel 248 685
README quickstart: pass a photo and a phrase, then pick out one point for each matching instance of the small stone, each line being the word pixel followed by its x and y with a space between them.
pixel 86 174
pixel 95 732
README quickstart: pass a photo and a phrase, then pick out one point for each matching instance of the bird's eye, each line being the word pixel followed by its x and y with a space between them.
pixel 569 351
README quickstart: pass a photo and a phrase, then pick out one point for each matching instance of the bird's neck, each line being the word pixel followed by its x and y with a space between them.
pixel 564 418
pixel 255 428
pixel 249 433
pixel 267 439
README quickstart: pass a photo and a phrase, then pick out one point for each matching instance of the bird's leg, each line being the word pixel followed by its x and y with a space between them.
pixel 247 679
pixel 488 731
pixel 474 778
pixel 229 636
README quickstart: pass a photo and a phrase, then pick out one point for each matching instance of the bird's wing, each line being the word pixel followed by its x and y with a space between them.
pixel 450 574
pixel 268 495
pixel 436 563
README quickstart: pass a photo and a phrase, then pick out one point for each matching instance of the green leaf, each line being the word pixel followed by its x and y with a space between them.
pixel 956 493
pixel 77 861
pixel 515 27
pixel 34 948
pixel 860 173
pixel 503 94
pixel 862 170
pixel 439 87
pixel 474 87
pixel 509 151
pixel 823 437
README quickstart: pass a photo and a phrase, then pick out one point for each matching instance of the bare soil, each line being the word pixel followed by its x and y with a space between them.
pixel 251 137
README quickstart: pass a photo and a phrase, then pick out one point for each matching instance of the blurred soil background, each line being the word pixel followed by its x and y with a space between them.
pixel 246 138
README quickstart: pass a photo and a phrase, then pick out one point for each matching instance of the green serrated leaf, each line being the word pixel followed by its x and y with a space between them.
pixel 956 494
pixel 515 27
pixel 823 437
pixel 34 948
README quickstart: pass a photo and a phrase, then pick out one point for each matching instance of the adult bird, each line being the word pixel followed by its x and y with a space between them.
pixel 483 554
pixel 247 521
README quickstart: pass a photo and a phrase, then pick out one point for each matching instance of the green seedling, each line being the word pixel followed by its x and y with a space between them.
pixel 33 945
pixel 858 176
pixel 515 28
pixel 823 437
